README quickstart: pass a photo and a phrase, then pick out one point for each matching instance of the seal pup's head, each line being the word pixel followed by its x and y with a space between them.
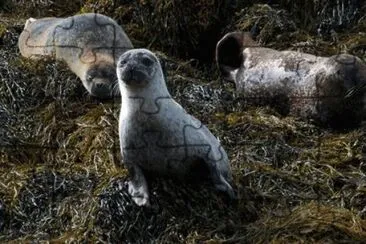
pixel 101 80
pixel 139 71
pixel 84 42
pixel 229 52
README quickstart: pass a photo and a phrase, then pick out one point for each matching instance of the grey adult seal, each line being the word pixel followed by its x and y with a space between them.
pixel 330 90
pixel 156 133
pixel 89 43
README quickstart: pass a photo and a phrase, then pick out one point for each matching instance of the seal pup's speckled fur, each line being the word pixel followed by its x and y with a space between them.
pixel 331 90
pixel 89 43
pixel 156 133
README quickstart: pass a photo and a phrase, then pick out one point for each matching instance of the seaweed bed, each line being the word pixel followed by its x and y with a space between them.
pixel 60 176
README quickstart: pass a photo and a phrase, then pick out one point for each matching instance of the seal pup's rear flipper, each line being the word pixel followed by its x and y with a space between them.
pixel 28 22
pixel 229 52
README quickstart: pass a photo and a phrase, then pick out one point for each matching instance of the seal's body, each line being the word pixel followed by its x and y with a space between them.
pixel 89 43
pixel 157 134
pixel 328 89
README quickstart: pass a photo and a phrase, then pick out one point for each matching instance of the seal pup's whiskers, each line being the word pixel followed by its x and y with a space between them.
pixel 157 134
pixel 89 43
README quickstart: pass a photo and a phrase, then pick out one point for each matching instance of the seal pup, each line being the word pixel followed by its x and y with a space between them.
pixel 330 90
pixel 89 43
pixel 156 133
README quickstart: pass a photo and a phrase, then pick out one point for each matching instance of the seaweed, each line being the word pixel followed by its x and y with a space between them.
pixel 62 177
pixel 178 28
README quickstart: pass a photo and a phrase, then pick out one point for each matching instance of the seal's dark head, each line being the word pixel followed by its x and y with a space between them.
pixel 137 67
pixel 229 52
pixel 101 80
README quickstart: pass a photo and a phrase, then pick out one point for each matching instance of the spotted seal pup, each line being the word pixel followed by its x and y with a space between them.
pixel 89 43
pixel 156 133
pixel 330 90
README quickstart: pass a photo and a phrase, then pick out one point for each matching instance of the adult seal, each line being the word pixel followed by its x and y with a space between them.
pixel 156 133
pixel 330 90
pixel 89 43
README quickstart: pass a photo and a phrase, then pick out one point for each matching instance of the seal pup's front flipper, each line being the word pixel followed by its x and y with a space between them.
pixel 137 186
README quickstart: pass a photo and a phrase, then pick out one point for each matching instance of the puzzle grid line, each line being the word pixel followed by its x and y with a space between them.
pixel 112 47
pixel 116 150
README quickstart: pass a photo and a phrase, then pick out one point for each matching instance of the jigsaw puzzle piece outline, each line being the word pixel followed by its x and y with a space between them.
pixel 85 55
pixel 156 103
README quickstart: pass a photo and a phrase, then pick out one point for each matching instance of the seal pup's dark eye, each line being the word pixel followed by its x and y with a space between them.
pixel 122 62
pixel 89 78
pixel 147 61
